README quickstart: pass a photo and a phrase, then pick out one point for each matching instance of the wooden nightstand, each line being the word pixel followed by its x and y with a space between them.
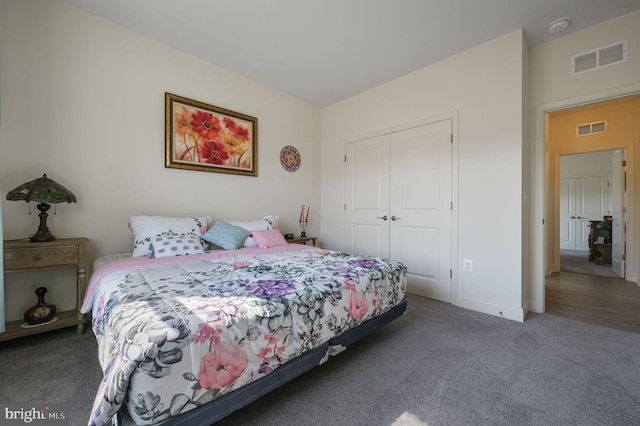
pixel 303 240
pixel 63 252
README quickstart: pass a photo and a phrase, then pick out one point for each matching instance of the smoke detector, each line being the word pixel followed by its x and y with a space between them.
pixel 558 25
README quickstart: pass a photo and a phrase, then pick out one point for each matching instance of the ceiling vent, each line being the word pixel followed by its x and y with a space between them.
pixel 601 57
pixel 591 128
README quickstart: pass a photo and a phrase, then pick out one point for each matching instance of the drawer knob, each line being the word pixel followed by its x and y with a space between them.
pixel 37 257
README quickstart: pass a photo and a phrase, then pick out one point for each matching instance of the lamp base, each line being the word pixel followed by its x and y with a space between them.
pixel 43 234
pixel 42 237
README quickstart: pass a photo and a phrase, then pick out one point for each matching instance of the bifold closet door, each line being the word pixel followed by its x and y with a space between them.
pixel 367 197
pixel 420 207
pixel 398 203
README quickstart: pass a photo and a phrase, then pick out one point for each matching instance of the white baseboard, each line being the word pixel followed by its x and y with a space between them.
pixel 508 312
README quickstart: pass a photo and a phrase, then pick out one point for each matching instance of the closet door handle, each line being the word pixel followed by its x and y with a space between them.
pixel 383 217
pixel 394 218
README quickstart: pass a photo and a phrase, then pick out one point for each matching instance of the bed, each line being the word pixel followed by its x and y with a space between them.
pixel 188 338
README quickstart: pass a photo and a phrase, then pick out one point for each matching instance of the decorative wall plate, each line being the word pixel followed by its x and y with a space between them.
pixel 290 158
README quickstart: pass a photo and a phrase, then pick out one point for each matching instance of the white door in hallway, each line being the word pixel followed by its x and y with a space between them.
pixel 618 216
pixel 567 214
pixel 582 199
pixel 398 203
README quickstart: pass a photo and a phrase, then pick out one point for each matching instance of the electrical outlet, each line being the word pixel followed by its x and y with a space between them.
pixel 467 265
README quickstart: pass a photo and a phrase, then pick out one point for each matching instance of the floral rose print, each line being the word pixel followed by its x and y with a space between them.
pixel 365 263
pixel 268 289
pixel 219 311
pixel 222 366
pixel 358 305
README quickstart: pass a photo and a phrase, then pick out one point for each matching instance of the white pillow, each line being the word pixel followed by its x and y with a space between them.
pixel 267 222
pixel 143 228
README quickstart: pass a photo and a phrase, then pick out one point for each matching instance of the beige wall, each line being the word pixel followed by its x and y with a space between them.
pixel 83 100
pixel 552 87
pixel 488 160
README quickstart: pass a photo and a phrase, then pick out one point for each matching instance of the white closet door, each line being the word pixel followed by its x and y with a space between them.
pixel 367 197
pixel 567 214
pixel 592 201
pixel 582 200
pixel 420 215
pixel 398 204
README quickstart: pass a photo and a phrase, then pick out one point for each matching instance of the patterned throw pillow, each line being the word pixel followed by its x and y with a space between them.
pixel 144 228
pixel 226 235
pixel 176 245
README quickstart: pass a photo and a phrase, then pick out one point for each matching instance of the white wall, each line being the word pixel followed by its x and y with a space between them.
pixel 587 164
pixel 83 100
pixel 552 87
pixel 484 88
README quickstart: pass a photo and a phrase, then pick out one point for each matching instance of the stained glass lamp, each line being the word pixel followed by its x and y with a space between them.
pixel 46 192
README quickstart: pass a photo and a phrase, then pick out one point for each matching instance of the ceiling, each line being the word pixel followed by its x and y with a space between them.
pixel 324 51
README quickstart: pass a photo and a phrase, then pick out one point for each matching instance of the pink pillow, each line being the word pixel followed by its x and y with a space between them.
pixel 268 238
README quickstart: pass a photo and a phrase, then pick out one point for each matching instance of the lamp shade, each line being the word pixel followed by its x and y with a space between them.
pixel 42 190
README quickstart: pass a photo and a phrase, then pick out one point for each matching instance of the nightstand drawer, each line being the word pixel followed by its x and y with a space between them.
pixel 36 257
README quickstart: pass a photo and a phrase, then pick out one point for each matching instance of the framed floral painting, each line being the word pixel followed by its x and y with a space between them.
pixel 208 138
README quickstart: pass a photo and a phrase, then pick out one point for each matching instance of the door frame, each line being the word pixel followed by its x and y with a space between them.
pixel 539 190
pixel 554 264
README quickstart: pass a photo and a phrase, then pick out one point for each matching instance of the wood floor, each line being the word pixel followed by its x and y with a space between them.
pixel 610 302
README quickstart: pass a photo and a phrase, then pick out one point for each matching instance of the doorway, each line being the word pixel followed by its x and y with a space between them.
pixel 582 294
pixel 590 193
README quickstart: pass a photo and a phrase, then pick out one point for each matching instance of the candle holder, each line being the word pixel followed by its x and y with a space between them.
pixel 304 220
pixel 303 228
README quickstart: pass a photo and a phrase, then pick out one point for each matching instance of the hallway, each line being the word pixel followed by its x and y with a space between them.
pixel 606 301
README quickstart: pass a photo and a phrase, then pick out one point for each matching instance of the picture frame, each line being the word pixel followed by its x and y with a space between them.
pixel 207 138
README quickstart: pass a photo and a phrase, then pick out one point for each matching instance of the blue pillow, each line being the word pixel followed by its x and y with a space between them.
pixel 226 235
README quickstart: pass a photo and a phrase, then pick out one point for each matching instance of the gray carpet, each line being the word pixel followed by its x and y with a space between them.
pixel 437 365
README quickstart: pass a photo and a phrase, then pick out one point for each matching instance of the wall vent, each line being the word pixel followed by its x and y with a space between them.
pixel 591 128
pixel 598 58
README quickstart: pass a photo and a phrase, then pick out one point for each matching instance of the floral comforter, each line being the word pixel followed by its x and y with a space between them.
pixel 176 334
